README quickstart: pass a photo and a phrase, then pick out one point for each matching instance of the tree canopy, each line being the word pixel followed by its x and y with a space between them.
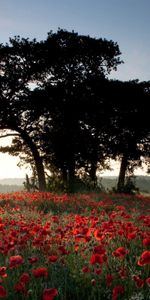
pixel 57 96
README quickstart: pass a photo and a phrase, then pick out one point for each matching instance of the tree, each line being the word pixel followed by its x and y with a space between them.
pixel 130 127
pixel 17 70
pixel 82 60
pixel 57 65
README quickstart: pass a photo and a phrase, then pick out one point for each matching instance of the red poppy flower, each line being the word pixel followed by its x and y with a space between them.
pixel 109 279
pixel 148 280
pixel 85 269
pixel 2 226
pixel 99 235
pixel 63 250
pixel 98 271
pixel 144 259
pixel 3 292
pixel 131 235
pixel 98 258
pixel 99 249
pixel 118 290
pixel 52 258
pixel 139 282
pixel 33 259
pixel 122 272
pixel 146 242
pixel 2 272
pixel 120 252
pixel 20 287
pixel 49 294
pixel 24 278
pixel 40 272
pixel 14 261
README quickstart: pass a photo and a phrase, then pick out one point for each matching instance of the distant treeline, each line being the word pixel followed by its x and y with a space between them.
pixel 108 183
pixel 141 182
pixel 10 188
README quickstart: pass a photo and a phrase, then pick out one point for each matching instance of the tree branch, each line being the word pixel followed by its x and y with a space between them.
pixel 9 134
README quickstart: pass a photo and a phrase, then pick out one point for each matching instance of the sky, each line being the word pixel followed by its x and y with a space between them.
pixel 126 22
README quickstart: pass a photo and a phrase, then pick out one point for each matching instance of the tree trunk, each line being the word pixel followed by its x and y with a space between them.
pixel 71 176
pixel 40 172
pixel 122 173
pixel 92 173
pixel 94 159
pixel 37 158
pixel 38 161
pixel 64 174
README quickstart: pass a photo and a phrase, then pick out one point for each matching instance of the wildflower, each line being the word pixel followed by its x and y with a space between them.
pixel 146 242
pixel 98 258
pixel 49 294
pixel 99 249
pixel 20 287
pixel 40 272
pixel 118 290
pixel 85 270
pixel 139 282
pixel 33 259
pixel 52 258
pixel 132 235
pixel 2 227
pixel 109 279
pixel 144 259
pixel 3 292
pixel 63 250
pixel 98 271
pixel 120 252
pixel 24 278
pixel 99 235
pixel 14 261
pixel 148 281
pixel 122 272
pixel 2 272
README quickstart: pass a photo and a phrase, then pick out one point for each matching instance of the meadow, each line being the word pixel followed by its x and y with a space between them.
pixel 70 247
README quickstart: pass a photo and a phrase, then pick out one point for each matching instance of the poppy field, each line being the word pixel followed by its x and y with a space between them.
pixel 71 247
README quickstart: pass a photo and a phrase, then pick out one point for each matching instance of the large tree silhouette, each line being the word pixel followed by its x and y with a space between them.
pixel 17 70
pixel 130 127
pixel 57 66
pixel 82 60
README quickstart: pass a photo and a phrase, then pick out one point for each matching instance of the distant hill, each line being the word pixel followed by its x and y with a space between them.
pixel 11 188
pixel 141 182
pixel 12 181
pixel 8 185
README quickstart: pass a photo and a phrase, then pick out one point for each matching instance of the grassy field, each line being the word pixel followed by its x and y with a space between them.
pixel 90 246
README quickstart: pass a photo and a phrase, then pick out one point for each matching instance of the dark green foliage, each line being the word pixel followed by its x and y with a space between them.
pixel 30 184
pixel 73 118
pixel 129 186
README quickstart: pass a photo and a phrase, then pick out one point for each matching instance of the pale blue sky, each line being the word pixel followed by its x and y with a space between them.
pixel 126 22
